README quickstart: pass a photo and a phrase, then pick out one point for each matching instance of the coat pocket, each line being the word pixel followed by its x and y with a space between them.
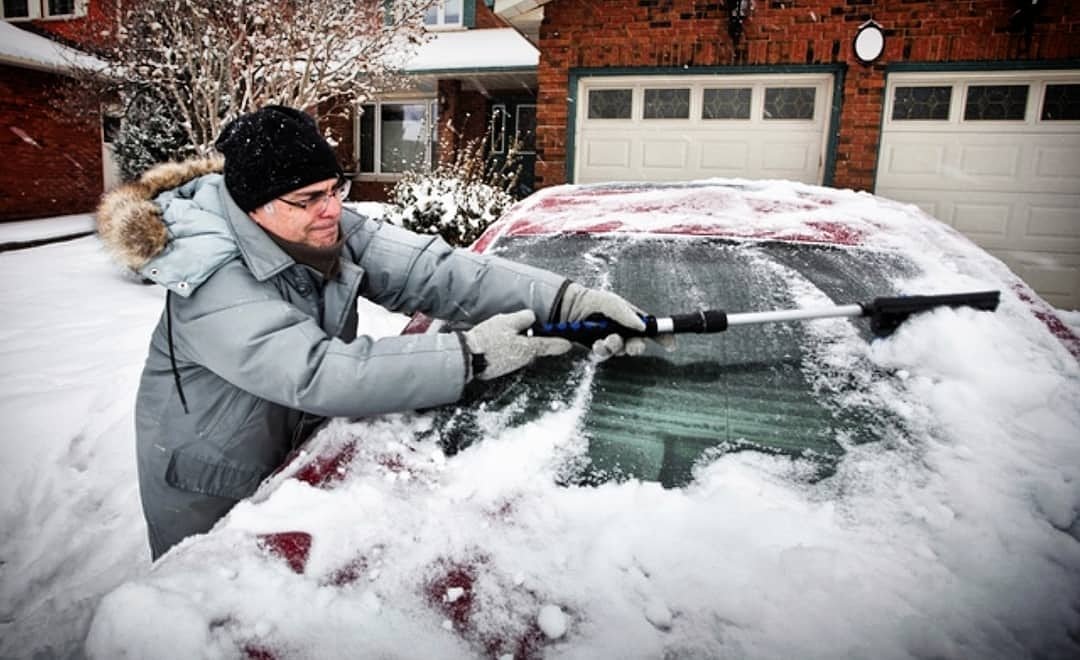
pixel 198 473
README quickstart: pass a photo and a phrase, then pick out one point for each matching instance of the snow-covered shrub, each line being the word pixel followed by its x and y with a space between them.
pixel 459 198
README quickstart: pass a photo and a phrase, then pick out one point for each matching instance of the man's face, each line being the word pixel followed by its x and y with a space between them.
pixel 307 215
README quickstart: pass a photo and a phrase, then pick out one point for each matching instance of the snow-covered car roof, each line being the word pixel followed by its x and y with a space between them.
pixel 952 533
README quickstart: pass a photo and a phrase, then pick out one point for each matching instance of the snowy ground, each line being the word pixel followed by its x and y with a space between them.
pixel 972 535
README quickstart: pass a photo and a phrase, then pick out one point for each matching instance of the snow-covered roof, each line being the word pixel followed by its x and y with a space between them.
pixel 31 51
pixel 475 50
pixel 512 8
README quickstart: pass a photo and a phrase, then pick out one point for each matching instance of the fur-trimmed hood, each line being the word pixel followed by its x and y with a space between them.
pixel 130 223
pixel 175 225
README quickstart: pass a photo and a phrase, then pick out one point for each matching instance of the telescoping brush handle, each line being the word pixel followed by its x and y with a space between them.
pixel 598 326
pixel 885 315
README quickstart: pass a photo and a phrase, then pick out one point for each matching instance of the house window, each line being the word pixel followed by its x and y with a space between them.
pixel 789 103
pixel 30 9
pixel 726 103
pixel 667 104
pixel 921 102
pixel 445 13
pixel 397 137
pixel 995 102
pixel 1061 102
pixel 610 103
pixel 60 7
pixel 18 9
pixel 526 128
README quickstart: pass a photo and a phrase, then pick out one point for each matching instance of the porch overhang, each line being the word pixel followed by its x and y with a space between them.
pixel 483 60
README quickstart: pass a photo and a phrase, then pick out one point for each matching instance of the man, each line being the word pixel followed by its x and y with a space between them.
pixel 257 342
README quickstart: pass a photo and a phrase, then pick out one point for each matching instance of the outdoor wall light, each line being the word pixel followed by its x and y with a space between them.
pixel 869 42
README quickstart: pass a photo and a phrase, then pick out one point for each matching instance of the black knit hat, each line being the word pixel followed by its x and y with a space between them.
pixel 271 152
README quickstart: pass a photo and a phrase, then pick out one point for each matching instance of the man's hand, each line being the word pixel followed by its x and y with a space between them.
pixel 579 302
pixel 504 348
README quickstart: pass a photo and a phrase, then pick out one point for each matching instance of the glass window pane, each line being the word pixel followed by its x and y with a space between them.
pixel 726 104
pixel 367 138
pixel 921 102
pixel 995 102
pixel 497 129
pixel 61 7
pixel 667 104
pixel 789 102
pixel 431 17
pixel 610 103
pixel 1061 102
pixel 404 134
pixel 526 129
pixel 452 12
pixel 16 8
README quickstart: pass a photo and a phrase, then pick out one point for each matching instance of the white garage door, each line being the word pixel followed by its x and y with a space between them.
pixel 651 128
pixel 997 156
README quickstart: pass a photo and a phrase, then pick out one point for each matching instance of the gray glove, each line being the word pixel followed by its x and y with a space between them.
pixel 579 303
pixel 504 349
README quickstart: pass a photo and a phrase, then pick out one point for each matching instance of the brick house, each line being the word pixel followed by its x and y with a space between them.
pixel 52 164
pixel 971 110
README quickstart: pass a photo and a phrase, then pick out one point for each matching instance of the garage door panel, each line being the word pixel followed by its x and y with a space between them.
pixel 719 158
pixel 1059 162
pixel 608 153
pixel 664 154
pixel 1058 223
pixel 990 161
pixel 983 222
pixel 913 160
pixel 784 157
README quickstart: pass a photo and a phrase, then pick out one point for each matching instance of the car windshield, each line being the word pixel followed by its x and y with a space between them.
pixel 762 387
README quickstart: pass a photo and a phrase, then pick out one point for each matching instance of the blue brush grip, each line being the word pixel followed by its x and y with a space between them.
pixel 588 330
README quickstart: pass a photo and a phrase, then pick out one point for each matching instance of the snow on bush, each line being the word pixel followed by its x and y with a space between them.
pixel 459 198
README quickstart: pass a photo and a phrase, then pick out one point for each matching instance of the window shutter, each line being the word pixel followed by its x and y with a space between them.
pixel 468 16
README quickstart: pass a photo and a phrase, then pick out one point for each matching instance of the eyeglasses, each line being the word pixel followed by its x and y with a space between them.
pixel 318 201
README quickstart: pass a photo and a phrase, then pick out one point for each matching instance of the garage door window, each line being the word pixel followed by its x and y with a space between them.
pixel 726 103
pixel 925 103
pixel 1061 102
pixel 610 103
pixel 995 102
pixel 667 104
pixel 789 102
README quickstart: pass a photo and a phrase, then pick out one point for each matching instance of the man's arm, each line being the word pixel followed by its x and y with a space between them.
pixel 408 272
pixel 243 331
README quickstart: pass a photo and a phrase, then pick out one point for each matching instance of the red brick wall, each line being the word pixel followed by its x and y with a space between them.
pixel 462 116
pixel 485 18
pixel 97 27
pixel 678 33
pixel 56 169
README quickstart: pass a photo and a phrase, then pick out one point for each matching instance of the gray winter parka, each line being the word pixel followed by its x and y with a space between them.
pixel 264 348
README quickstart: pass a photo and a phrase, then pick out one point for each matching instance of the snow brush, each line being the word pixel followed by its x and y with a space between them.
pixel 886 314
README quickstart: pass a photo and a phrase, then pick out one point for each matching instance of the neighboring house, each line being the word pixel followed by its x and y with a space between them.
pixel 52 164
pixel 476 77
pixel 971 110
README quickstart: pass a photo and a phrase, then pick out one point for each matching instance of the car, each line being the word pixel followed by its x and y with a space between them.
pixel 814 488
